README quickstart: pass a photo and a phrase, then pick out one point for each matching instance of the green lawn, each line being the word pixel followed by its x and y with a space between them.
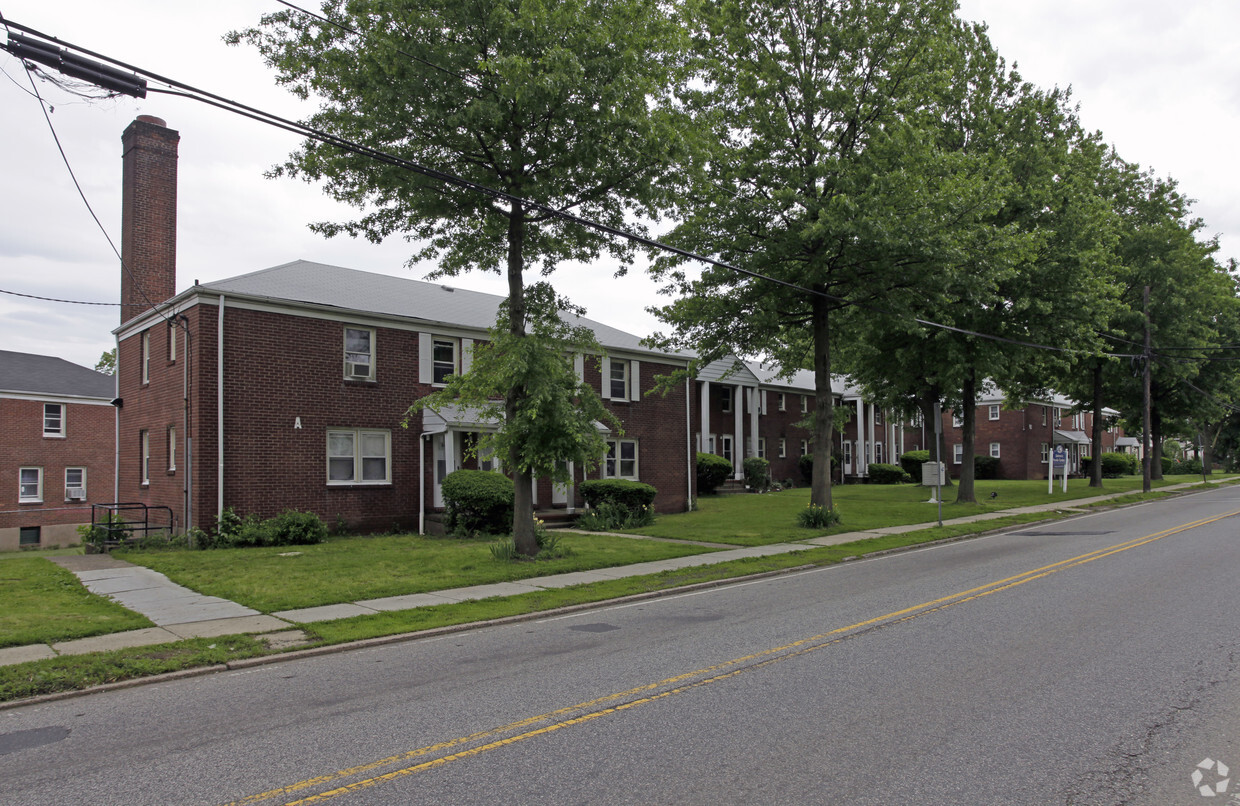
pixel 757 520
pixel 354 568
pixel 44 603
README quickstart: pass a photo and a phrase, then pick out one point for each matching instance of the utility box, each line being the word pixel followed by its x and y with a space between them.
pixel 928 478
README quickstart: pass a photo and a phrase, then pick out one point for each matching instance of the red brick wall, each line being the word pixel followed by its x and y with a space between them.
pixel 658 424
pixel 87 443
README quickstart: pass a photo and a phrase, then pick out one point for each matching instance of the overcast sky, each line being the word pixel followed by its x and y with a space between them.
pixel 1160 80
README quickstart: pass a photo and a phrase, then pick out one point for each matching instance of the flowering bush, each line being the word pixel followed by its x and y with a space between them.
pixel 818 517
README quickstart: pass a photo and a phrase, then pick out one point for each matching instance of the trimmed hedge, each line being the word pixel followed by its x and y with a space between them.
pixel 806 465
pixel 912 461
pixel 632 495
pixel 757 474
pixel 985 468
pixel 477 501
pixel 1187 467
pixel 888 474
pixel 1114 465
pixel 712 471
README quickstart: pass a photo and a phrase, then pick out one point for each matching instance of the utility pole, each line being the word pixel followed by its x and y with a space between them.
pixel 1145 402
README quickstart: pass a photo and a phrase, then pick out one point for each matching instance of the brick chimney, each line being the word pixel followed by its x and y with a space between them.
pixel 148 215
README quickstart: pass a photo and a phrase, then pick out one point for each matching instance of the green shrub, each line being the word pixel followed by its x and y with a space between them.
pixel 757 474
pixel 888 474
pixel 1114 465
pixel 1187 467
pixel 712 471
pixel 294 528
pixel 912 461
pixel 549 547
pixel 632 495
pixel 477 501
pixel 1168 465
pixel 816 517
pixel 805 464
pixel 985 467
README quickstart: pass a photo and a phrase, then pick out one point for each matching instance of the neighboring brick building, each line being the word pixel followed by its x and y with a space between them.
pixel 1022 438
pixel 56 458
pixel 289 387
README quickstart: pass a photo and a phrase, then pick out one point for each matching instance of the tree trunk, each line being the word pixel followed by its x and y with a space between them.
pixel 1095 437
pixel 523 494
pixel 968 417
pixel 824 406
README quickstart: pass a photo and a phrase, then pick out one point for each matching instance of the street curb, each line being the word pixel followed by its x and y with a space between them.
pixel 299 654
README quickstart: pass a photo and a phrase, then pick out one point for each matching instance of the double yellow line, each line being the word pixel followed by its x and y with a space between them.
pixel 478 743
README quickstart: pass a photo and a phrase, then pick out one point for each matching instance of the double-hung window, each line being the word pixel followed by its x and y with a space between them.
pixel 783 448
pixel 958 453
pixel 618 380
pixel 782 403
pixel 75 484
pixel 145 438
pixel 621 461
pixel 53 420
pixel 957 420
pixel 359 353
pixel 359 456
pixel 172 449
pixel 994 450
pixel 30 489
pixel 146 356
pixel 444 359
pixel 994 412
pixel 761 447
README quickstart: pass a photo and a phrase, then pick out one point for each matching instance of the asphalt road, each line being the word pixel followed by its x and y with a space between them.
pixel 1088 661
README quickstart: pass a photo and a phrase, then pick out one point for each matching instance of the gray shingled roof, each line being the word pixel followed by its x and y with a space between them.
pixel 365 292
pixel 48 375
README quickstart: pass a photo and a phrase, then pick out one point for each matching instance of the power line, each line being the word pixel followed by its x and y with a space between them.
pixel 453 180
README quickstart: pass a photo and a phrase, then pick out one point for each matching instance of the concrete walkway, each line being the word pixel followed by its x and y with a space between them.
pixel 180 613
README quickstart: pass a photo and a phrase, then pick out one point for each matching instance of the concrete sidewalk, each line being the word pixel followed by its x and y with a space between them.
pixel 180 613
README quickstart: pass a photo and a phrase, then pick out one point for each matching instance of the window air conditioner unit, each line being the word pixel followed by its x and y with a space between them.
pixel 75 493
pixel 357 370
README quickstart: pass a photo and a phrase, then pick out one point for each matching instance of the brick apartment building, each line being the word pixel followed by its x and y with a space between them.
pixel 56 458
pixel 1023 438
pixel 289 387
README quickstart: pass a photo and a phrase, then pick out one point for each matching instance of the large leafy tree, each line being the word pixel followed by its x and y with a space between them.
pixel 556 104
pixel 820 176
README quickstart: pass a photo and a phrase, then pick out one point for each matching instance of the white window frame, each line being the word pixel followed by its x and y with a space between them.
pixel 613 466
pixel 958 453
pixel 878 453
pixel 847 458
pixel 783 448
pixel 59 431
pixel 1044 415
pixel 618 379
pixel 30 492
pixel 81 471
pixel 1046 452
pixel 172 449
pixel 994 411
pixel 994 450
pixel 805 404
pixel 439 365
pixel 727 397
pixel 957 420
pixel 804 447
pixel 357 468
pixel 783 406
pixel 357 359
pixel 146 356
pixel 145 439
pixel 172 341
pixel 726 448
pixel 761 447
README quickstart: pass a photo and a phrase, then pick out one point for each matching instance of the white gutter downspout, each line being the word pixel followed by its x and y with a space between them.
pixel 219 412
pixel 422 484
pixel 692 458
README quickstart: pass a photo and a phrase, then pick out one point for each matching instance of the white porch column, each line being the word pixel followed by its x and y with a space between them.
pixel 449 451
pixel 869 457
pixel 572 488
pixel 859 456
pixel 755 401
pixel 704 404
pixel 738 433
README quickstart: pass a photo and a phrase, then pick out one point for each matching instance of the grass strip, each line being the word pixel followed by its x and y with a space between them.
pixel 73 672
pixel 44 603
